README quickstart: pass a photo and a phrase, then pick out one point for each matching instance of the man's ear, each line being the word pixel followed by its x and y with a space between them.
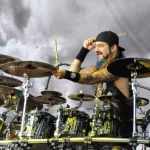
pixel 114 48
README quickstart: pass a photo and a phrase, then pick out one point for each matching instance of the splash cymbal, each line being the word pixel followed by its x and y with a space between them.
pixel 51 93
pixel 125 66
pixel 139 101
pixel 85 97
pixel 6 59
pixel 34 69
pixel 9 81
pixel 107 98
pixel 46 99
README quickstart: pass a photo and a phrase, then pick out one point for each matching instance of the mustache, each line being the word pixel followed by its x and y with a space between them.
pixel 99 53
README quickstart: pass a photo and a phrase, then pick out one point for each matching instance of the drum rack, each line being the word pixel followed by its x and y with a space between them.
pixel 86 140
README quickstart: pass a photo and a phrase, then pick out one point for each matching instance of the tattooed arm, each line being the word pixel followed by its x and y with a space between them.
pixel 89 70
pixel 97 77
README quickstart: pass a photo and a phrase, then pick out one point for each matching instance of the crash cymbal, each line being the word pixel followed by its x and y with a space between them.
pixel 45 99
pixel 85 97
pixel 139 101
pixel 34 69
pixel 51 93
pixel 108 98
pixel 6 59
pixel 123 67
pixel 13 98
pixel 9 81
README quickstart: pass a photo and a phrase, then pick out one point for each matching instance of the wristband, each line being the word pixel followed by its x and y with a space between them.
pixel 72 76
pixel 82 54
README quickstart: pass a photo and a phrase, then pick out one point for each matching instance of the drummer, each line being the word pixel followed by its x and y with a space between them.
pixel 107 48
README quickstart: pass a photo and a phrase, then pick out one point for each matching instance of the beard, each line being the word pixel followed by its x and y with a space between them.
pixel 100 62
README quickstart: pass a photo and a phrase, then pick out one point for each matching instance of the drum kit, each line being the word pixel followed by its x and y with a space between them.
pixel 71 126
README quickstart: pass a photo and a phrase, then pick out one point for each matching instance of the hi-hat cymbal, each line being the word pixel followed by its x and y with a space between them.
pixel 34 69
pixel 85 97
pixel 45 99
pixel 6 59
pixel 125 66
pixel 9 81
pixel 13 98
pixel 108 98
pixel 139 101
pixel 51 93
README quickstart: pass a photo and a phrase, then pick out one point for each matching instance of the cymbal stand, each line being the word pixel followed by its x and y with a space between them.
pixel 26 86
pixel 95 111
pixel 81 95
pixel 134 89
pixel 58 122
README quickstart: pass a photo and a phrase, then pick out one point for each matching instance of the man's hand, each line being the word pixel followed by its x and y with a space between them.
pixel 88 44
pixel 58 73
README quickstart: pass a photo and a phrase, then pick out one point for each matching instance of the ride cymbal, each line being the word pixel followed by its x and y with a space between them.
pixel 51 93
pixel 84 97
pixel 34 69
pixel 46 99
pixel 6 59
pixel 9 81
pixel 125 66
pixel 139 101
pixel 107 98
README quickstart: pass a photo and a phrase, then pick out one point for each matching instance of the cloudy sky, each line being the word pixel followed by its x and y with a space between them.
pixel 28 29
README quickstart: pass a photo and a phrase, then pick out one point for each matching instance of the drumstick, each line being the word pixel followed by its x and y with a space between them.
pixel 56 52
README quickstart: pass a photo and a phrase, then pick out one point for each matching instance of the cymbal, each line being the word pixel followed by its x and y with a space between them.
pixel 34 69
pixel 85 97
pixel 6 59
pixel 11 98
pixel 46 99
pixel 108 98
pixel 32 104
pixel 140 121
pixel 5 90
pixel 9 81
pixel 125 66
pixel 139 101
pixel 51 93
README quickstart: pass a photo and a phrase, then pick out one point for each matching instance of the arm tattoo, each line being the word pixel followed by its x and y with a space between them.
pixel 89 70
pixel 99 76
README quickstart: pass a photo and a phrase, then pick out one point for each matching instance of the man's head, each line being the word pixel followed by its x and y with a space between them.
pixel 105 43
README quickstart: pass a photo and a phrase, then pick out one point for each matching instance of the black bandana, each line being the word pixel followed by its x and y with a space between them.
pixel 110 38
